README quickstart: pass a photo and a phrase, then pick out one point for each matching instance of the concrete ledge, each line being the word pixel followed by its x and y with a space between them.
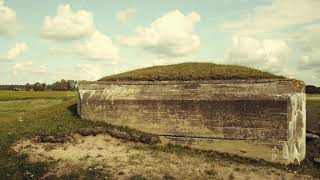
pixel 269 113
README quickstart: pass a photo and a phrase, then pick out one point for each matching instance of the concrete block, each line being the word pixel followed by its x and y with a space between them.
pixel 263 119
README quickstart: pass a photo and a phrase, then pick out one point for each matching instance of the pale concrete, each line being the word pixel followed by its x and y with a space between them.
pixel 232 116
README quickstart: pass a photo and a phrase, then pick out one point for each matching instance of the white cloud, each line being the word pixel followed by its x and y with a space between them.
pixel 42 69
pixel 8 22
pixel 98 47
pixel 16 51
pixel 309 40
pixel 22 67
pixel 268 54
pixel 310 37
pixel 310 62
pixel 68 24
pixel 297 21
pixel 123 16
pixel 88 72
pixel 28 67
pixel 173 34
pixel 280 14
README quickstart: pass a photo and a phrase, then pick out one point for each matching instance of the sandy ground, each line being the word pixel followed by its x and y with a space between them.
pixel 122 160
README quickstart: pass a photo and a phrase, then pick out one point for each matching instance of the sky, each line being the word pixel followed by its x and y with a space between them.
pixel 45 41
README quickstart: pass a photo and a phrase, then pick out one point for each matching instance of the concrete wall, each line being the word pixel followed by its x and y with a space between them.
pixel 262 119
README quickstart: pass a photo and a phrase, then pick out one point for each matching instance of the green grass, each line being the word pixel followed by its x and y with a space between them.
pixel 191 71
pixel 28 114
pixel 313 104
pixel 313 112
pixel 22 95
pixel 313 97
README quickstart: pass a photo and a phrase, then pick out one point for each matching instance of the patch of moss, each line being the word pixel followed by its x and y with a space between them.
pixel 191 71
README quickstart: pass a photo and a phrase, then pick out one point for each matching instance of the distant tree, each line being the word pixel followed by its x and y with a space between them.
pixel 73 85
pixel 312 89
pixel 63 85
pixel 39 87
pixel 11 87
pixel 28 87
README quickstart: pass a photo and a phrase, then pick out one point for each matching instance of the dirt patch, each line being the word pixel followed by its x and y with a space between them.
pixel 120 159
pixel 116 132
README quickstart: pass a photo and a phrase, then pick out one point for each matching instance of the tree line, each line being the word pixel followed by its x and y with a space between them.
pixel 63 85
pixel 71 85
pixel 312 89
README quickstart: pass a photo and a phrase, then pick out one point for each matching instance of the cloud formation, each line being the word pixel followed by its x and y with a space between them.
pixel 309 40
pixel 268 54
pixel 280 14
pixel 17 51
pixel 89 72
pixel 173 34
pixel 14 52
pixel 8 20
pixel 123 16
pixel 295 21
pixel 82 71
pixel 68 24
pixel 28 67
pixel 98 47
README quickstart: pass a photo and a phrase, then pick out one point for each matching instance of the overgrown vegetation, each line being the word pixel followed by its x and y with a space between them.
pixel 191 71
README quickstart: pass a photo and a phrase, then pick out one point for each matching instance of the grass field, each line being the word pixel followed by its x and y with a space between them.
pixel 23 95
pixel 24 115
pixel 191 71
pixel 313 97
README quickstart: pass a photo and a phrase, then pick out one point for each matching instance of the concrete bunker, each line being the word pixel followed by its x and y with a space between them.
pixel 259 116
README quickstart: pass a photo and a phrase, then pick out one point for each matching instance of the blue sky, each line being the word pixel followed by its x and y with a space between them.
pixel 87 39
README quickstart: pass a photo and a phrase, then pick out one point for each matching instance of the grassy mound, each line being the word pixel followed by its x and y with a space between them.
pixel 190 71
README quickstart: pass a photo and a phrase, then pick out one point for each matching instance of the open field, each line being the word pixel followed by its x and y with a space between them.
pixel 313 112
pixel 41 136
pixel 313 97
pixel 22 95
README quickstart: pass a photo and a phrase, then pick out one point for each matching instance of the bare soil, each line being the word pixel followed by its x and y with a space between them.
pixel 116 158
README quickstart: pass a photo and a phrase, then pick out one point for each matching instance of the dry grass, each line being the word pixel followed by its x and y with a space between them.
pixel 116 159
pixel 191 71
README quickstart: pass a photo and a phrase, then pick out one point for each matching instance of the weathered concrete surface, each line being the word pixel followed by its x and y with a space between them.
pixel 262 119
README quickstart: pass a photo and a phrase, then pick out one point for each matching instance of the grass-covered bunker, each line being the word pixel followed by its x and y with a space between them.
pixel 224 108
